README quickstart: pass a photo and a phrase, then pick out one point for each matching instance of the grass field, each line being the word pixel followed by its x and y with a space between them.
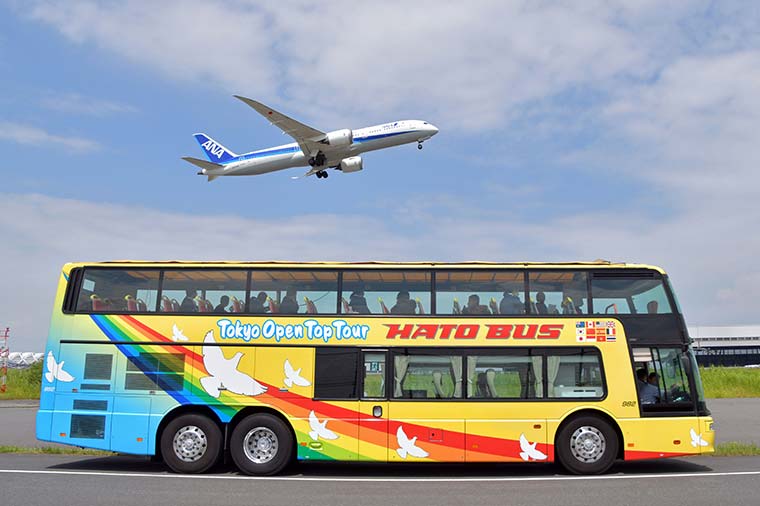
pixel 52 450
pixel 729 382
pixel 23 383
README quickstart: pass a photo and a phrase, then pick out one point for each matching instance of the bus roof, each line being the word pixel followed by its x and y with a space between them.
pixel 603 264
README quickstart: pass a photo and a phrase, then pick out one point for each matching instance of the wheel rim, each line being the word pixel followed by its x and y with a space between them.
pixel 260 445
pixel 190 443
pixel 588 444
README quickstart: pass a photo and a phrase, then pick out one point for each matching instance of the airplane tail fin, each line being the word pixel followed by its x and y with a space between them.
pixel 215 152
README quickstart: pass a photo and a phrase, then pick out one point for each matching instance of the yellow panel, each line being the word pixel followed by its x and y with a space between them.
pixel 271 369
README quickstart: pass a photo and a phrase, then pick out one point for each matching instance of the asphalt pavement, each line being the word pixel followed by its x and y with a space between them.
pixel 39 480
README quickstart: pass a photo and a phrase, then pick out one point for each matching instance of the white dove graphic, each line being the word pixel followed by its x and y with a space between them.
pixel 408 446
pixel 177 334
pixel 293 376
pixel 55 370
pixel 529 450
pixel 696 439
pixel 319 429
pixel 224 374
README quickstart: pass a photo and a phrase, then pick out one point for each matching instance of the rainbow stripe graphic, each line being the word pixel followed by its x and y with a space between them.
pixel 377 437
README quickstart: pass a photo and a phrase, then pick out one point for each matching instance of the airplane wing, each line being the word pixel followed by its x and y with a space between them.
pixel 307 137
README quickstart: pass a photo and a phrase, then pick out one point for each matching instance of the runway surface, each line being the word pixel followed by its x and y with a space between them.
pixel 39 479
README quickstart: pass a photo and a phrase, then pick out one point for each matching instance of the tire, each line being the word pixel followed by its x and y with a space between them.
pixel 587 445
pixel 191 444
pixel 261 445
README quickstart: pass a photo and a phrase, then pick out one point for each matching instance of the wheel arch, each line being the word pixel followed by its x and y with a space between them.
pixel 599 414
pixel 185 409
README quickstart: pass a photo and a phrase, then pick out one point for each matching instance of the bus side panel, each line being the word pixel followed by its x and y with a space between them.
pixel 130 421
pixel 656 437
pixel 492 437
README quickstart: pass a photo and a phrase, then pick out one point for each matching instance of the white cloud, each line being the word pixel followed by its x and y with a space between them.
pixel 76 103
pixel 47 232
pixel 33 136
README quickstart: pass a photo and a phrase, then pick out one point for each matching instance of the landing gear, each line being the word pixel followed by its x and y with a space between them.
pixel 419 145
pixel 318 160
pixel 322 174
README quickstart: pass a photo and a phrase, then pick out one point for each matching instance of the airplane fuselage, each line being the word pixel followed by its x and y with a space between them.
pixel 364 140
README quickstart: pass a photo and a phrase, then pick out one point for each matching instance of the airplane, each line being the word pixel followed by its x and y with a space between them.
pixel 339 149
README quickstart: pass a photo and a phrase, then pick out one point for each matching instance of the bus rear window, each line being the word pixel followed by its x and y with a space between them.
pixel 112 290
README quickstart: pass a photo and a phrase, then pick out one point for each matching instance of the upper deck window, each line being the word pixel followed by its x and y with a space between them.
pixel 629 295
pixel 293 292
pixel 203 290
pixel 558 292
pixel 118 290
pixel 386 292
pixel 480 292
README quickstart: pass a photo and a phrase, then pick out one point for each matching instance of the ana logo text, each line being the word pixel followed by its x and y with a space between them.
pixel 213 148
pixel 467 331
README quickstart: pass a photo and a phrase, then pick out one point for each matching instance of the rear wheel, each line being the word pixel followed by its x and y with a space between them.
pixel 261 444
pixel 191 444
pixel 587 445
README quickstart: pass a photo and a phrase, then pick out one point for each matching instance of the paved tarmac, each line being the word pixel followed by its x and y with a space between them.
pixel 737 420
pixel 39 480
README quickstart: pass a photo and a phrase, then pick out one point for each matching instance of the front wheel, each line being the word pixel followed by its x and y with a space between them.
pixel 261 444
pixel 191 444
pixel 587 445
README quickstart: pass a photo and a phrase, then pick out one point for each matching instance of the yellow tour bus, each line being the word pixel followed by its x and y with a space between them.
pixel 272 362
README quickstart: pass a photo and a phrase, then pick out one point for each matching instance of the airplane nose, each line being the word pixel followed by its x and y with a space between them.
pixel 433 129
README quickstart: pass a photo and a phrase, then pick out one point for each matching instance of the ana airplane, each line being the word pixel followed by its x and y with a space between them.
pixel 339 149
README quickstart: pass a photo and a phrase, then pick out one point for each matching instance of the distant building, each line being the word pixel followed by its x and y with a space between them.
pixel 730 346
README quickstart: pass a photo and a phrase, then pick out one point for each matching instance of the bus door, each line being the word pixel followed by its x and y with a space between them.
pixel 82 375
pixel 373 406
pixel 426 413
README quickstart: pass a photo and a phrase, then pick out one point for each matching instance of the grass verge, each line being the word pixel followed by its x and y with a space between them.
pixel 23 383
pixel 52 450
pixel 736 449
pixel 730 382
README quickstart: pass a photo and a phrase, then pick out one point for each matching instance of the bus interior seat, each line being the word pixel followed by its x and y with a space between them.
pixel 346 306
pixel 237 306
pixel 311 308
pixel 493 306
pixel 166 305
pixel 142 306
pixel 273 306
pixel 131 303
pixel 175 306
pixel 99 304
pixel 383 306
pixel 420 307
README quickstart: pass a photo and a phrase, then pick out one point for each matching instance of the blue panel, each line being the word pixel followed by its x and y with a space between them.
pixel 44 419
pixel 130 422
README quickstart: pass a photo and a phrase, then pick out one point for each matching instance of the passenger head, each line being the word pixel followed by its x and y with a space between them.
pixel 262 297
pixel 191 293
pixel 653 378
pixel 541 297
pixel 473 300
pixel 224 300
pixel 291 292
pixel 403 295
pixel 652 307
pixel 641 375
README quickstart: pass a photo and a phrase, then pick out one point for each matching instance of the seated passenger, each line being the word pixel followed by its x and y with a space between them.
pixel 541 303
pixel 224 301
pixel 652 307
pixel 641 380
pixel 650 393
pixel 358 303
pixel 188 303
pixel 404 304
pixel 481 386
pixel 511 304
pixel 258 304
pixel 289 304
pixel 474 307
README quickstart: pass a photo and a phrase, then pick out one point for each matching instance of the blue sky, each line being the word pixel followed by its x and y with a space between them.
pixel 632 124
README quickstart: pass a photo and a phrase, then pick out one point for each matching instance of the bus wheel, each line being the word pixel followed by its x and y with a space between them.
pixel 191 444
pixel 587 445
pixel 261 444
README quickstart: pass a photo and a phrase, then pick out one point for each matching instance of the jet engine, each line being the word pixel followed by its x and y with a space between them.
pixel 339 138
pixel 351 164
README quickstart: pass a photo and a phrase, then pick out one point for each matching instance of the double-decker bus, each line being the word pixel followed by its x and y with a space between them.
pixel 580 363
